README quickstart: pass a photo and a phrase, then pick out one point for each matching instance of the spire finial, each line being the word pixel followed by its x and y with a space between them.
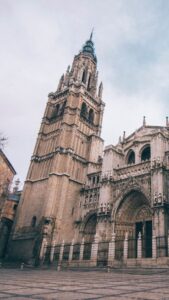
pixel 91 35
pixel 144 121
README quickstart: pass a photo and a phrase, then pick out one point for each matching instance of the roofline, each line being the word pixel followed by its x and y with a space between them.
pixel 146 126
pixel 8 162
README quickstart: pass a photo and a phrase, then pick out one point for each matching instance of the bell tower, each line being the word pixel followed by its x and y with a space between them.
pixel 68 147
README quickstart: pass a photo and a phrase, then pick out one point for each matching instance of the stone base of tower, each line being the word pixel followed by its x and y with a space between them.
pixel 21 250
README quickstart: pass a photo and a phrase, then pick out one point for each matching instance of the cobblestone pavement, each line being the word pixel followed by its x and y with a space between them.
pixel 71 285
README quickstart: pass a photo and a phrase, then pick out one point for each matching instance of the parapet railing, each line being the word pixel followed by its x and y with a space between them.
pixel 127 171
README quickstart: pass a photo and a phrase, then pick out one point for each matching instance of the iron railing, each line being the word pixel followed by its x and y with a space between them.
pixel 160 248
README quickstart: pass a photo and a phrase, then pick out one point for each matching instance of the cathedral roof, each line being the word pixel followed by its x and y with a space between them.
pixel 88 48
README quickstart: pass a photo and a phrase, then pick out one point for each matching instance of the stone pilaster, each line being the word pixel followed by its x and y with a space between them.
pixel 168 243
pixel 43 249
pixel 111 253
pixel 81 249
pixel 154 247
pixel 71 251
pixel 94 249
pixel 52 251
pixel 61 252
pixel 125 252
pixel 139 246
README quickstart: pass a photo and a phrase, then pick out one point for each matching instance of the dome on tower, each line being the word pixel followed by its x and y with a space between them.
pixel 88 48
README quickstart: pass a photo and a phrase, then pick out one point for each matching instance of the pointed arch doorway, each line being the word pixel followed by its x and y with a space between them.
pixel 134 216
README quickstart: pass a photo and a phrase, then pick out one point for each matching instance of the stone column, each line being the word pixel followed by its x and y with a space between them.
pixel 52 251
pixel 168 243
pixel 71 250
pixel 81 249
pixel 139 246
pixel 43 249
pixel 94 249
pixel 125 252
pixel 111 253
pixel 154 247
pixel 61 252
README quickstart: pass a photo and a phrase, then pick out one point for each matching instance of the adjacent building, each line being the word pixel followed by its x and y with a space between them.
pixel 7 173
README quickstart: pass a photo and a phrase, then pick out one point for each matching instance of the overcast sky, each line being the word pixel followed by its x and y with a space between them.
pixel 38 40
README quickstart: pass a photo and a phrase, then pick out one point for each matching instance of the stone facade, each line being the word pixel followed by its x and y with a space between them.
pixel 75 197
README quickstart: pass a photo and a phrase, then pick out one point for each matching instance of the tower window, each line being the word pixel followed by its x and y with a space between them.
pixel 15 207
pixel 131 157
pixel 88 84
pixel 62 108
pixel 146 153
pixel 55 111
pixel 91 116
pixel 83 112
pixel 33 222
pixel 84 76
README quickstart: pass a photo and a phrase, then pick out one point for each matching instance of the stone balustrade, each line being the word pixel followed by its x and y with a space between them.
pixel 132 170
pixel 127 171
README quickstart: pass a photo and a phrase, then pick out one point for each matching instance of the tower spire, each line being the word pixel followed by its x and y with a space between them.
pixel 88 47
pixel 91 35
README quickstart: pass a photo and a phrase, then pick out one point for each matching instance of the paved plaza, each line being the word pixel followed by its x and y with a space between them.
pixel 70 285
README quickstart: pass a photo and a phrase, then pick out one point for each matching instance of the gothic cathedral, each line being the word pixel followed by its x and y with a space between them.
pixel 76 196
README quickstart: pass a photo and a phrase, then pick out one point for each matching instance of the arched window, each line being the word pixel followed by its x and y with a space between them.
pixel 83 112
pixel 55 111
pixel 84 76
pixel 146 153
pixel 88 84
pixel 91 116
pixel 131 157
pixel 33 222
pixel 15 207
pixel 62 108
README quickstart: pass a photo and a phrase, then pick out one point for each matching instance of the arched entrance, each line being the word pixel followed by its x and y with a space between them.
pixel 133 215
